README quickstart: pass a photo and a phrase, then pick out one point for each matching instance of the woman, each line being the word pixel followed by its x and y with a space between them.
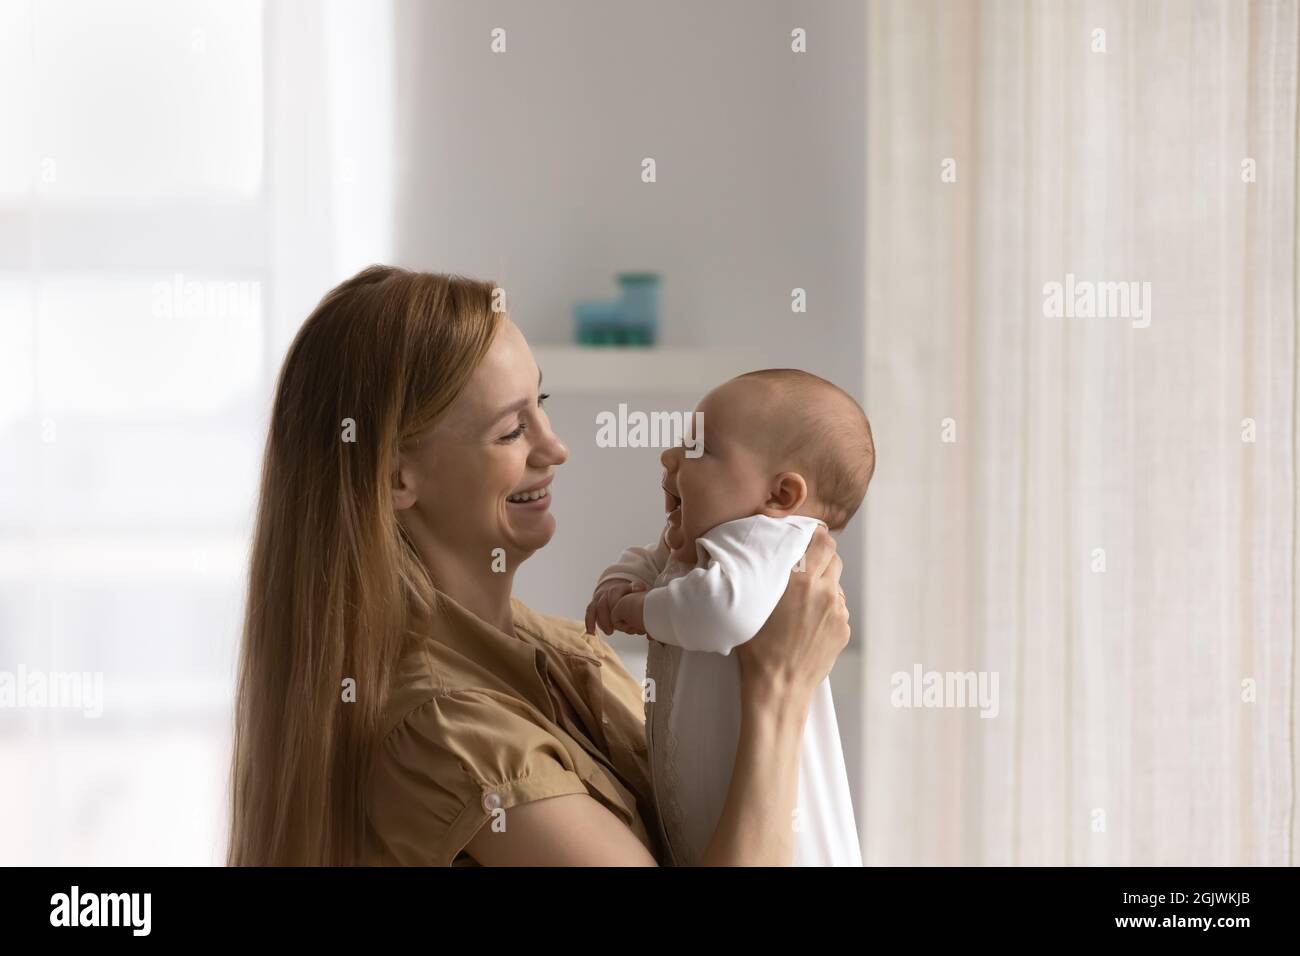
pixel 396 704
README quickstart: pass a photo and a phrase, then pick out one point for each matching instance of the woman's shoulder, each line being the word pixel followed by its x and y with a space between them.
pixel 458 664
pixel 449 764
pixel 567 634
pixel 430 671
pixel 570 635
pixel 470 728
pixel 552 627
pixel 459 657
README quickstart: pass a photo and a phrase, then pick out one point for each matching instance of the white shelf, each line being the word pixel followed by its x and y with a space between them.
pixel 595 370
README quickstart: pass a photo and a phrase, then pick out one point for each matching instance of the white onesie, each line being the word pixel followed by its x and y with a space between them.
pixel 695 616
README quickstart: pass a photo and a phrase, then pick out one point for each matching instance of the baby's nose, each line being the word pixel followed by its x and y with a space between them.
pixel 669 459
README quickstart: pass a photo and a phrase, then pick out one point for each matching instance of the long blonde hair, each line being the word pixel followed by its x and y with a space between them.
pixel 334 586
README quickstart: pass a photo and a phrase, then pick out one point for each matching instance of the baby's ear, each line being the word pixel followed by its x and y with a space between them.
pixel 788 492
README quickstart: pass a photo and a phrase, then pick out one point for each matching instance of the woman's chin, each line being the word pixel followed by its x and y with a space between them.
pixel 531 532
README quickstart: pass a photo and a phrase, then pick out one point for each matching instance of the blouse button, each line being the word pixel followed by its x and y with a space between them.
pixel 491 801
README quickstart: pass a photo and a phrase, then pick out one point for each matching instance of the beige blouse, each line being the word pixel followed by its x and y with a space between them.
pixel 478 720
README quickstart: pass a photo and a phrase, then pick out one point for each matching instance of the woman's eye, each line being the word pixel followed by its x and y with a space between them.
pixel 522 425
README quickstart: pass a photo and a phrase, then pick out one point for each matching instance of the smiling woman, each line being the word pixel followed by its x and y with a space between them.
pixel 334 581
pixel 477 483
pixel 386 564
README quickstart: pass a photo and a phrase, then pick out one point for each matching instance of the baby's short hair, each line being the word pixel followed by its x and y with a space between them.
pixel 830 439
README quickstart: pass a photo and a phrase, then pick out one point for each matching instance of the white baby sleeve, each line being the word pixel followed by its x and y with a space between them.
pixel 744 567
pixel 639 564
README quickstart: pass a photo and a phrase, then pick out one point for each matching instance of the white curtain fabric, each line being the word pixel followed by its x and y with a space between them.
pixel 331 164
pixel 1078 505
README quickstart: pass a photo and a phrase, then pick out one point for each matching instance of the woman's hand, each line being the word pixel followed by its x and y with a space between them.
pixel 795 650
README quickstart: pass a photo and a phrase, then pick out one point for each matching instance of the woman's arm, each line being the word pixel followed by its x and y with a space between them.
pixel 569 830
pixel 755 828
pixel 780 669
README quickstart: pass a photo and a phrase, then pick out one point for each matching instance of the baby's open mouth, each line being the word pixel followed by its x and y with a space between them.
pixel 672 502
pixel 673 505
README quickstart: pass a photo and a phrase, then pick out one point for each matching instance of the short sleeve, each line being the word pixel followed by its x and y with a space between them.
pixel 446 767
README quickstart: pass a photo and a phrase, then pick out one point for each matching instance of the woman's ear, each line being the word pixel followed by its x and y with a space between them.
pixel 402 484
pixel 788 493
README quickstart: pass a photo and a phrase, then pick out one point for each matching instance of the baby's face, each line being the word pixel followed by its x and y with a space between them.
pixel 731 478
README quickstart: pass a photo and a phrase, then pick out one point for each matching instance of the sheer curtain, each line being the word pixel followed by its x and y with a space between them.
pixel 179 183
pixel 1096 504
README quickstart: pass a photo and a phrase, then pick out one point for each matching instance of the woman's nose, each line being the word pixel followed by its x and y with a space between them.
pixel 551 449
pixel 669 459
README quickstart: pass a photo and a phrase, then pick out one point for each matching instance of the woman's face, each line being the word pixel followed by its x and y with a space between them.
pixel 481 477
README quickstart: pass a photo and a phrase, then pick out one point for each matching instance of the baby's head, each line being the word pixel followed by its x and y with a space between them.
pixel 776 442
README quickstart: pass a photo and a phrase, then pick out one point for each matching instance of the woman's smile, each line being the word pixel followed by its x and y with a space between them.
pixel 537 498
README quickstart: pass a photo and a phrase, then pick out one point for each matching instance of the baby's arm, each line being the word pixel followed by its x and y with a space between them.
pixel 634 572
pixel 723 604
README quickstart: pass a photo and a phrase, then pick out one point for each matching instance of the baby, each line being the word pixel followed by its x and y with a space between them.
pixel 780 451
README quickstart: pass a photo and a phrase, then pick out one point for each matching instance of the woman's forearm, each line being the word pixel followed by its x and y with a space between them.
pixel 756 827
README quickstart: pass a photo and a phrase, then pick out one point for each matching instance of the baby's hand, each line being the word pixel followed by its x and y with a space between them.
pixel 603 601
pixel 629 613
